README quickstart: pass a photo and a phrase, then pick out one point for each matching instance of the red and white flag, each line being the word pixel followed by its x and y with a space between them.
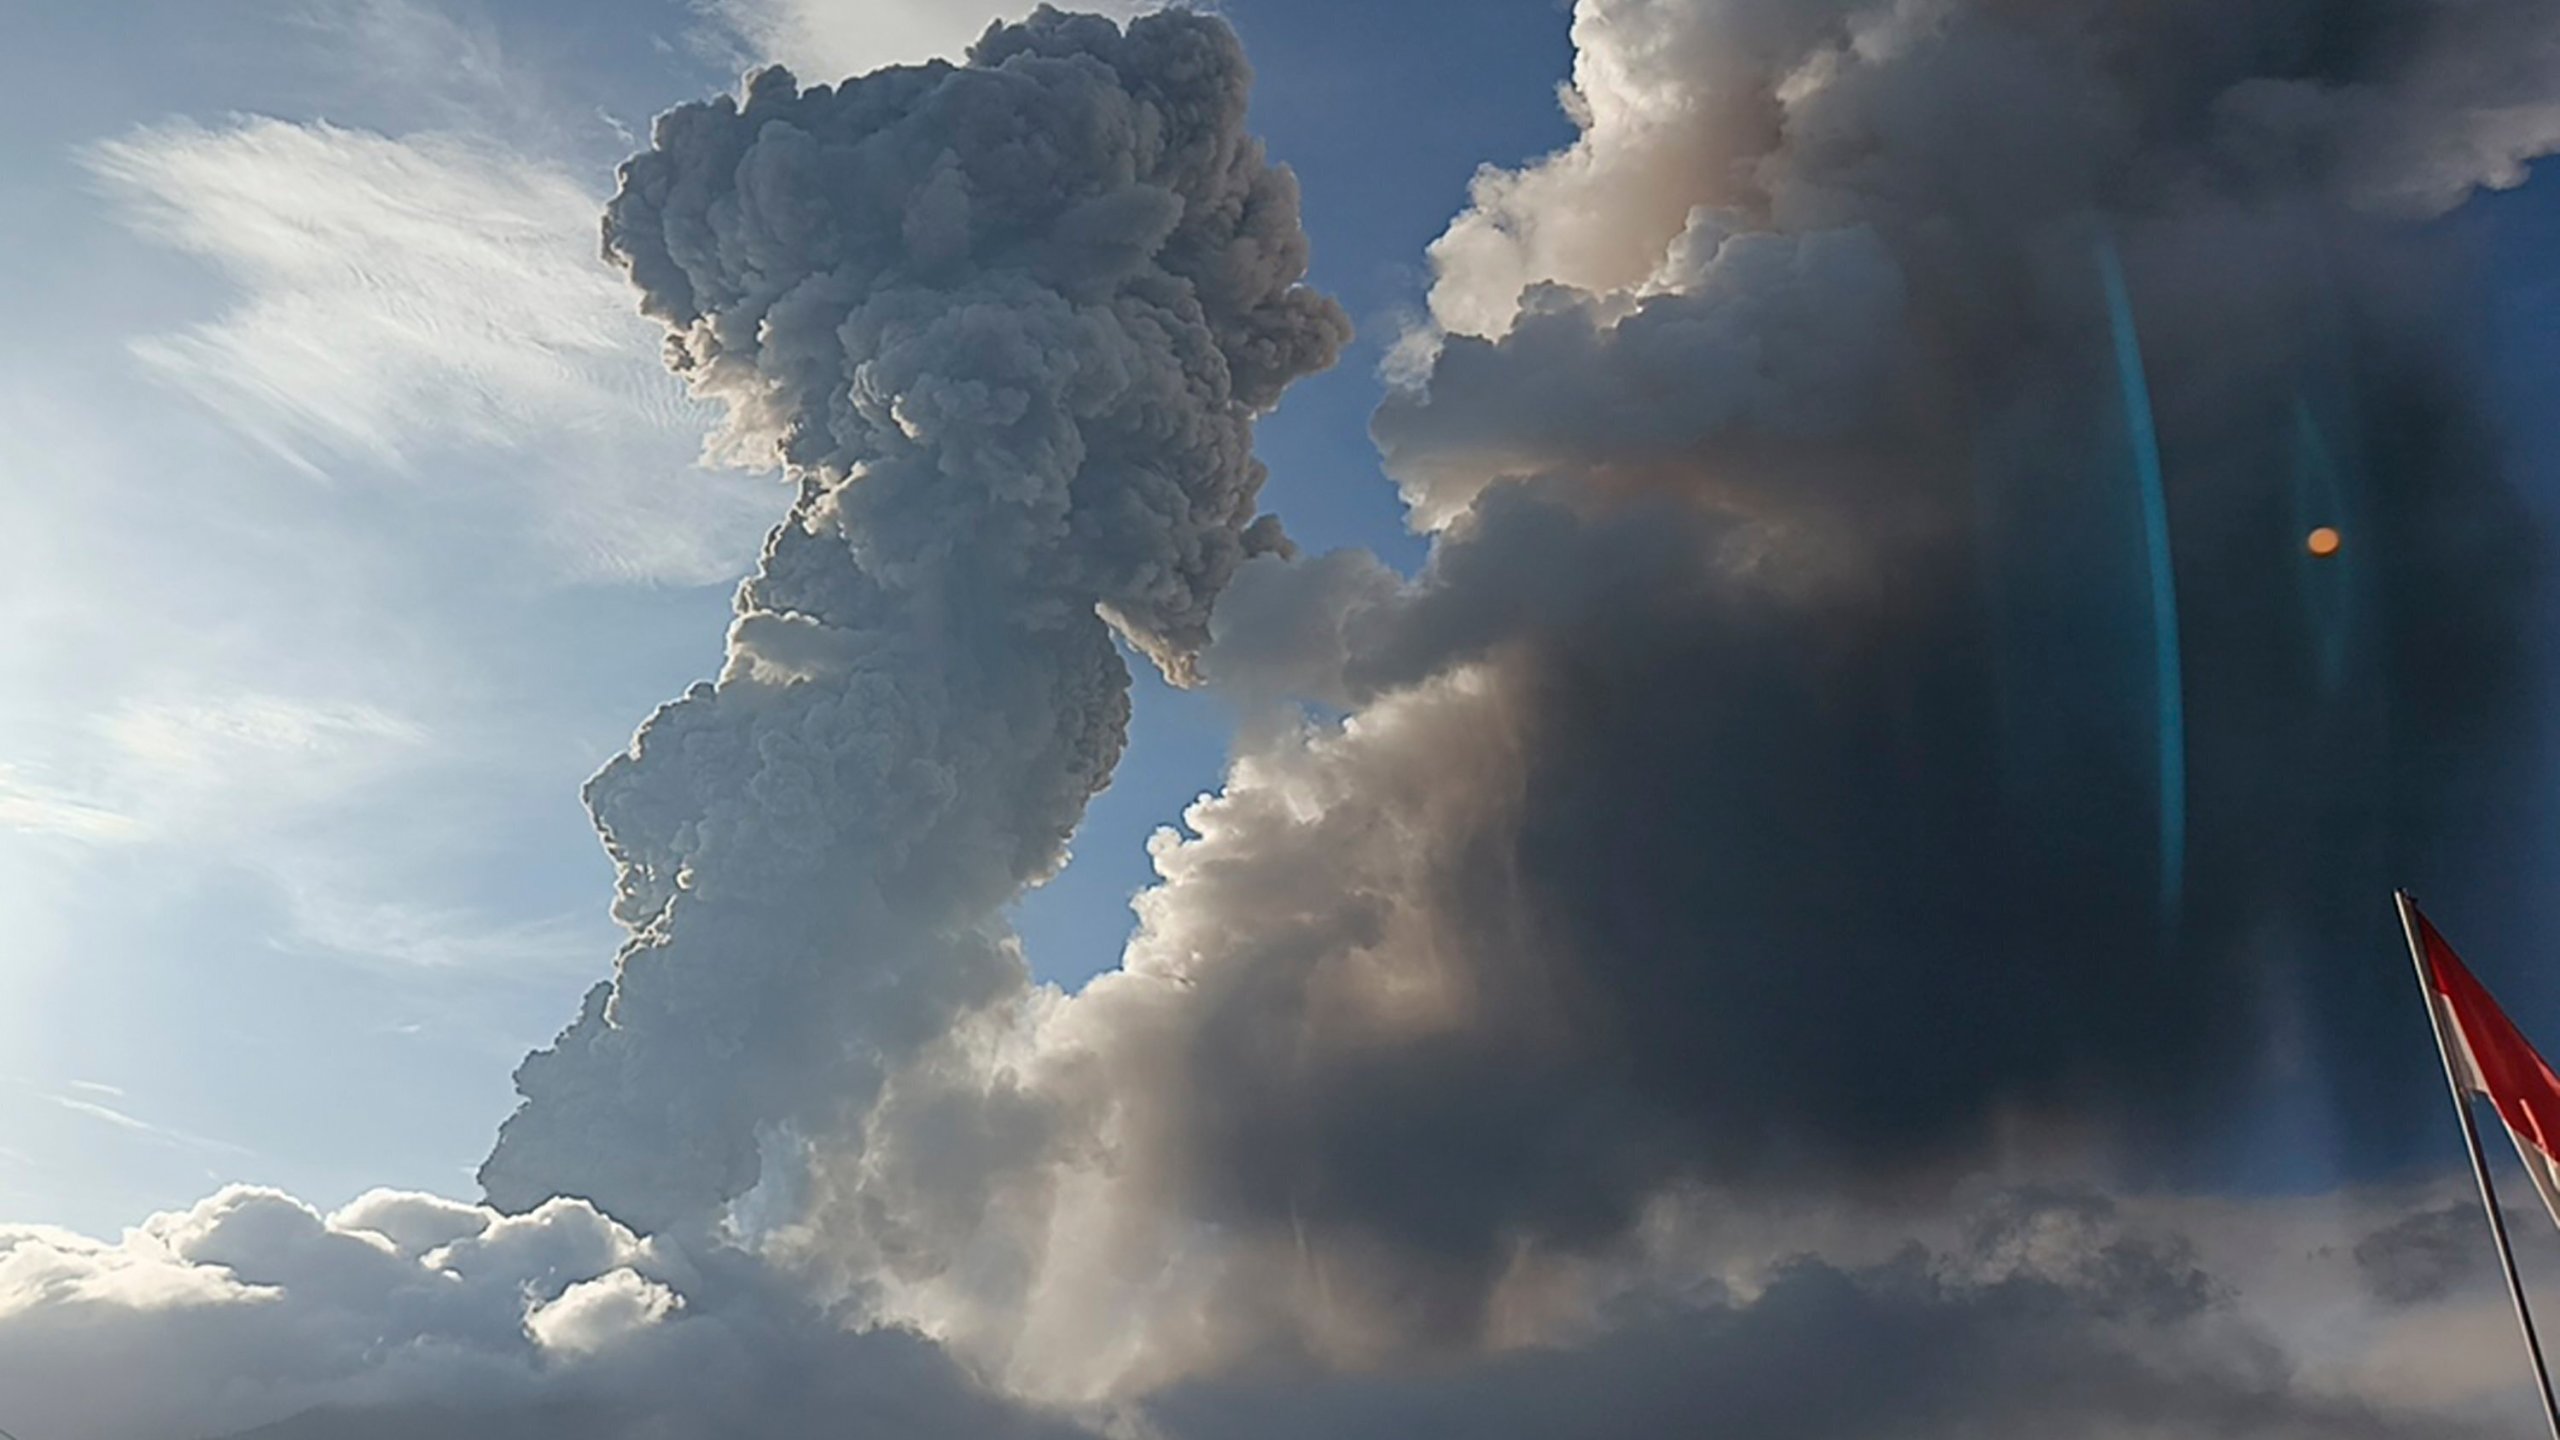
pixel 2490 1057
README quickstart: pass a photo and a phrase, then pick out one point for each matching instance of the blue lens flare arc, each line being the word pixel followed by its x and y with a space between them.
pixel 2169 684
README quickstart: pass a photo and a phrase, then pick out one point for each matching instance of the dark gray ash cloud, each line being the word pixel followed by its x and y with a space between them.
pixel 2426 1255
pixel 1762 788
pixel 1007 326
pixel 1810 574
pixel 2116 1332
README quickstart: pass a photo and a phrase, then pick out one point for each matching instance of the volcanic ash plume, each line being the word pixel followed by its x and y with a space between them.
pixel 1869 718
pixel 1006 325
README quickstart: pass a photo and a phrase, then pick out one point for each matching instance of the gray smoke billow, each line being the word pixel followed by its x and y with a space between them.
pixel 1894 786
pixel 1006 325
pixel 1800 772
pixel 2120 1338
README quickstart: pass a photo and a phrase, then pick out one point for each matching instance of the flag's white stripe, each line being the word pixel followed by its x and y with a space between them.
pixel 2541 1168
pixel 2457 1046
pixel 2546 1176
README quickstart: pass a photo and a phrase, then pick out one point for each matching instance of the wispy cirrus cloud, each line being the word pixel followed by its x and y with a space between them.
pixel 393 292
pixel 342 919
pixel 206 739
pixel 34 809
pixel 134 1125
pixel 193 767
pixel 397 299
pixel 264 781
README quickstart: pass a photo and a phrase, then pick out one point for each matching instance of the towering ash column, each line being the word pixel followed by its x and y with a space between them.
pixel 1007 326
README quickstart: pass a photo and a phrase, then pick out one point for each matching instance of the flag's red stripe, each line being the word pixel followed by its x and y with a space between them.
pixel 2518 1080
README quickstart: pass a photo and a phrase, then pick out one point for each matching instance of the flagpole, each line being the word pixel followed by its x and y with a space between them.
pixel 2479 1161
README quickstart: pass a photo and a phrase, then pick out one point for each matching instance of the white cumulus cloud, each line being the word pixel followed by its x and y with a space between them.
pixel 826 39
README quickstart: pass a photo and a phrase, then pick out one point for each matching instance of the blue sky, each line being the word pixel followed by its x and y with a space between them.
pixel 304 668
pixel 305 662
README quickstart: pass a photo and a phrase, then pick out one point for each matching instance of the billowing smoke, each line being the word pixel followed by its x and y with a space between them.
pixel 1770 931
pixel 2047 1314
pixel 1006 325
pixel 1870 716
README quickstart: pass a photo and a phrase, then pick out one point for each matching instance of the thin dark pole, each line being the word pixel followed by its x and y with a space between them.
pixel 2479 1161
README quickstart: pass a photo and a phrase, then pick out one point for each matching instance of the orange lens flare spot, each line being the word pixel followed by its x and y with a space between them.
pixel 2323 542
